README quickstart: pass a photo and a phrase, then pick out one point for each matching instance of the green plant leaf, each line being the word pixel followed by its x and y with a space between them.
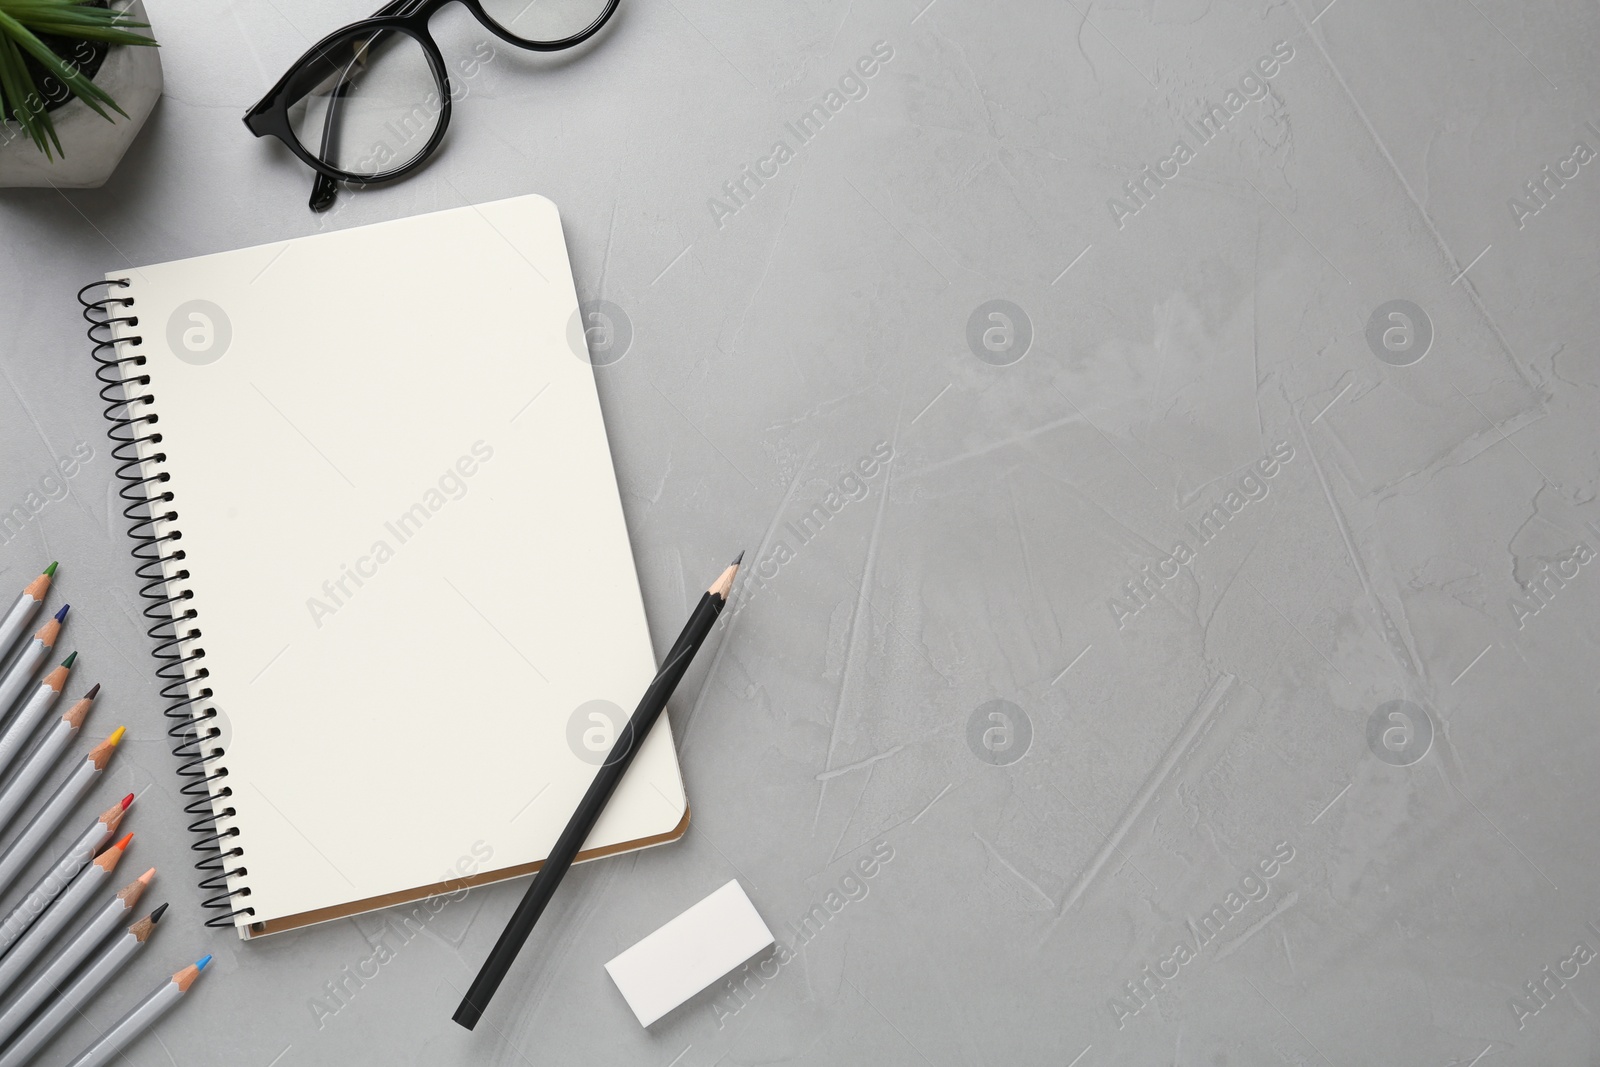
pixel 80 24
pixel 86 90
pixel 17 84
pixel 21 21
pixel 94 30
pixel 90 33
pixel 70 19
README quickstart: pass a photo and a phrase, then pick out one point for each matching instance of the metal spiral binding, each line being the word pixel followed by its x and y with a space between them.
pixel 171 627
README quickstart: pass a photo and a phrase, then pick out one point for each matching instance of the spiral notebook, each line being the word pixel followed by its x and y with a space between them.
pixel 406 621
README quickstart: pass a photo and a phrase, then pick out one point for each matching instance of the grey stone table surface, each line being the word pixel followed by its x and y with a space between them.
pixel 1207 674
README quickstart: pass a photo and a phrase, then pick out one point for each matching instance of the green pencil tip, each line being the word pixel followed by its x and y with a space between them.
pixel 68 661
pixel 50 571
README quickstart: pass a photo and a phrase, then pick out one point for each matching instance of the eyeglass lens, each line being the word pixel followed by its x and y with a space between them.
pixel 544 21
pixel 366 102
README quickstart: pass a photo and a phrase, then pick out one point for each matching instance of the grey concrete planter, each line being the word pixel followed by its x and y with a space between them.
pixel 91 146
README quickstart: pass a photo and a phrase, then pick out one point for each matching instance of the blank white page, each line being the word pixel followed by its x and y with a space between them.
pixel 406 551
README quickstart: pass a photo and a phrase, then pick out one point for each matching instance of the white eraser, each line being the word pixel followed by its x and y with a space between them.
pixel 689 953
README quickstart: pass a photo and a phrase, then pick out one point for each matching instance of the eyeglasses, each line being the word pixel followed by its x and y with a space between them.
pixel 370 103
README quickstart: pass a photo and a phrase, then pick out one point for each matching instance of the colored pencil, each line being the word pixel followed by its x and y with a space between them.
pixel 55 811
pixel 45 755
pixel 22 612
pixel 19 731
pixel 113 914
pixel 73 999
pixel 57 899
pixel 73 858
pixel 33 653
pixel 594 801
pixel 137 1021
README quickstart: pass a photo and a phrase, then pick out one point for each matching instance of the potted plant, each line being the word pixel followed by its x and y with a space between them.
pixel 75 87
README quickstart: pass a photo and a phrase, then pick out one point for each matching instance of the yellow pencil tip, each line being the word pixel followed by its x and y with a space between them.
pixel 116 737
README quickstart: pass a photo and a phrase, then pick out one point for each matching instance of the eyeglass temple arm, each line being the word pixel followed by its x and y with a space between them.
pixel 324 188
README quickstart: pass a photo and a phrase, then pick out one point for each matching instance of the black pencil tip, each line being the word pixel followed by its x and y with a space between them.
pixel 737 559
pixel 91 694
pixel 155 916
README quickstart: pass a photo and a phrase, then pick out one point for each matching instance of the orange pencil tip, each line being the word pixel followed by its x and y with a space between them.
pixel 124 842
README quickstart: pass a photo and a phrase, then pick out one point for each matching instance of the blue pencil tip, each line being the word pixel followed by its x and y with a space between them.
pixel 62 614
pixel 202 963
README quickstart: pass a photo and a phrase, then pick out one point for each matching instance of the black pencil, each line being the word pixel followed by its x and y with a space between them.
pixel 594 801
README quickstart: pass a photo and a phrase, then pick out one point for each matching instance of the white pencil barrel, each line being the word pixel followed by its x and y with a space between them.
pixel 43 914
pixel 16 623
pixel 21 673
pixel 72 1000
pixel 25 1003
pixel 22 787
pixel 49 819
pixel 131 1025
pixel 20 730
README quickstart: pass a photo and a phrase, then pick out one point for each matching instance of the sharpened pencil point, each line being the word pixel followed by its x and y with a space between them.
pixel 50 571
pixel 737 559
pixel 155 916
pixel 126 801
pixel 91 694
pixel 129 894
pixel 116 737
pixel 124 842
pixel 100 755
pixel 201 963
pixel 67 663
pixel 62 614
pixel 724 583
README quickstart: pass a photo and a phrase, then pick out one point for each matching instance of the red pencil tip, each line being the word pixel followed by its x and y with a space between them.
pixel 124 842
pixel 126 801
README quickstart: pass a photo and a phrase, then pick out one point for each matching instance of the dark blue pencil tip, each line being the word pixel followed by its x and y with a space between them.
pixel 62 614
pixel 202 963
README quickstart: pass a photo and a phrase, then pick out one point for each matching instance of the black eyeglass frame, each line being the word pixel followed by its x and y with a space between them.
pixel 270 116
